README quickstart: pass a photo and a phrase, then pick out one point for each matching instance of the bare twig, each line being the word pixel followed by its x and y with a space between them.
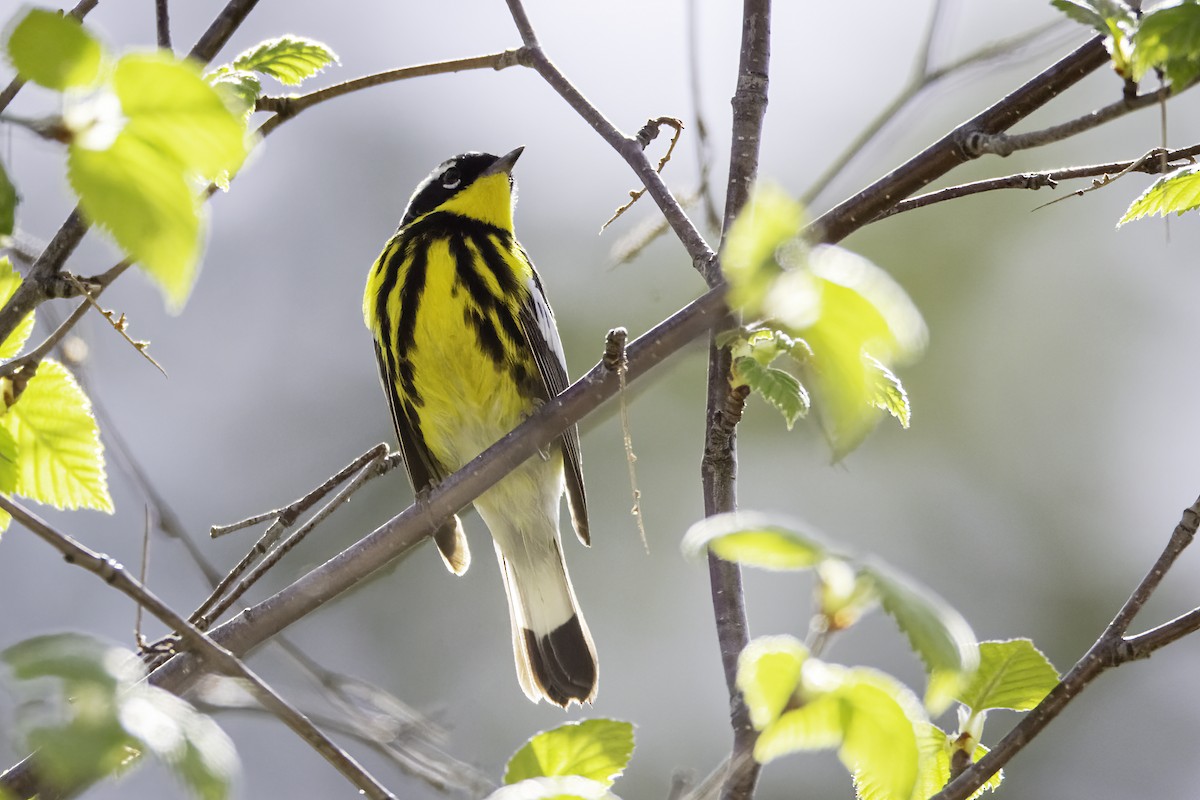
pixel 369 465
pixel 286 107
pixel 614 359
pixel 216 656
pixel 1003 144
pixel 718 468
pixel 120 324
pixel 704 159
pixel 162 23
pixel 1152 156
pixel 1037 180
pixel 647 134
pixel 1111 650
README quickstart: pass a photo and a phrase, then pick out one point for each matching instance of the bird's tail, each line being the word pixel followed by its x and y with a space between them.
pixel 556 659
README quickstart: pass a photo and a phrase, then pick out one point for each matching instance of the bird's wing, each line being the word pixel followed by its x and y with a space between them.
pixel 423 470
pixel 537 323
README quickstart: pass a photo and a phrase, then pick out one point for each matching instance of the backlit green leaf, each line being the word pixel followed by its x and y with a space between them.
pixel 768 675
pixel 754 539
pixel 60 460
pixel 1012 674
pixel 141 197
pixel 937 633
pixel 1081 13
pixel 240 89
pixel 54 50
pixel 880 748
pixel 936 751
pixel 819 724
pixel 769 220
pixel 596 749
pixel 10 279
pixel 889 393
pixel 779 388
pixel 289 59
pixel 174 111
pixel 1177 192
pixel 1168 38
pixel 863 320
pixel 870 717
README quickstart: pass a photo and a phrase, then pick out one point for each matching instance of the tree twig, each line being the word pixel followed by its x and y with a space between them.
pixel 162 23
pixel 209 651
pixel 1051 178
pixel 725 403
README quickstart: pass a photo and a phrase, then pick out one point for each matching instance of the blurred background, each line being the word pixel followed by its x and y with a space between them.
pixel 1054 415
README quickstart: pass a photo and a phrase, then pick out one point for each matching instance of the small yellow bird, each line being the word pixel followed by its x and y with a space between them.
pixel 467 348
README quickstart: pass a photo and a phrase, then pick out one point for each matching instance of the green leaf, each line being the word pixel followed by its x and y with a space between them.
pixel 938 634
pixel 880 748
pixel 936 751
pixel 596 749
pixel 844 595
pixel 1012 674
pixel 1168 38
pixel 754 539
pixel 768 675
pixel 769 220
pixel 779 388
pixel 870 717
pixel 288 59
pixel 103 716
pixel 54 51
pixel 563 787
pixel 863 320
pixel 174 111
pixel 9 200
pixel 239 88
pixel 819 724
pixel 60 459
pixel 1081 12
pixel 188 742
pixel 10 281
pixel 72 657
pixel 140 196
pixel 1177 192
pixel 889 393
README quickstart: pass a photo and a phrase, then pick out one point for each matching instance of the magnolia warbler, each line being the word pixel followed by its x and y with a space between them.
pixel 467 348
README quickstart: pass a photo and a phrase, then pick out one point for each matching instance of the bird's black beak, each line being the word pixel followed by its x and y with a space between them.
pixel 504 163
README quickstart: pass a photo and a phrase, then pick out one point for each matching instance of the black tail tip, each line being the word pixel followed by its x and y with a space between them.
pixel 563 663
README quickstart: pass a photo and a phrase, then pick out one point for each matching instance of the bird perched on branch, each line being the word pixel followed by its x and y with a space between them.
pixel 467 348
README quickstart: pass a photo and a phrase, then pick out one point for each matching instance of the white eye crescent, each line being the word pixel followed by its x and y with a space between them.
pixel 451 178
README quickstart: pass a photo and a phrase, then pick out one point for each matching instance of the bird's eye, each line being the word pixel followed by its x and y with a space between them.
pixel 451 178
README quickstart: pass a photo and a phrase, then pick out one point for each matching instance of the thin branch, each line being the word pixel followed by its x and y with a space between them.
pixel 704 159
pixel 218 657
pixel 647 134
pixel 1036 180
pixel 162 23
pixel 286 107
pixel 1111 650
pixel 703 258
pixel 34 357
pixel 1003 144
pixel 725 403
